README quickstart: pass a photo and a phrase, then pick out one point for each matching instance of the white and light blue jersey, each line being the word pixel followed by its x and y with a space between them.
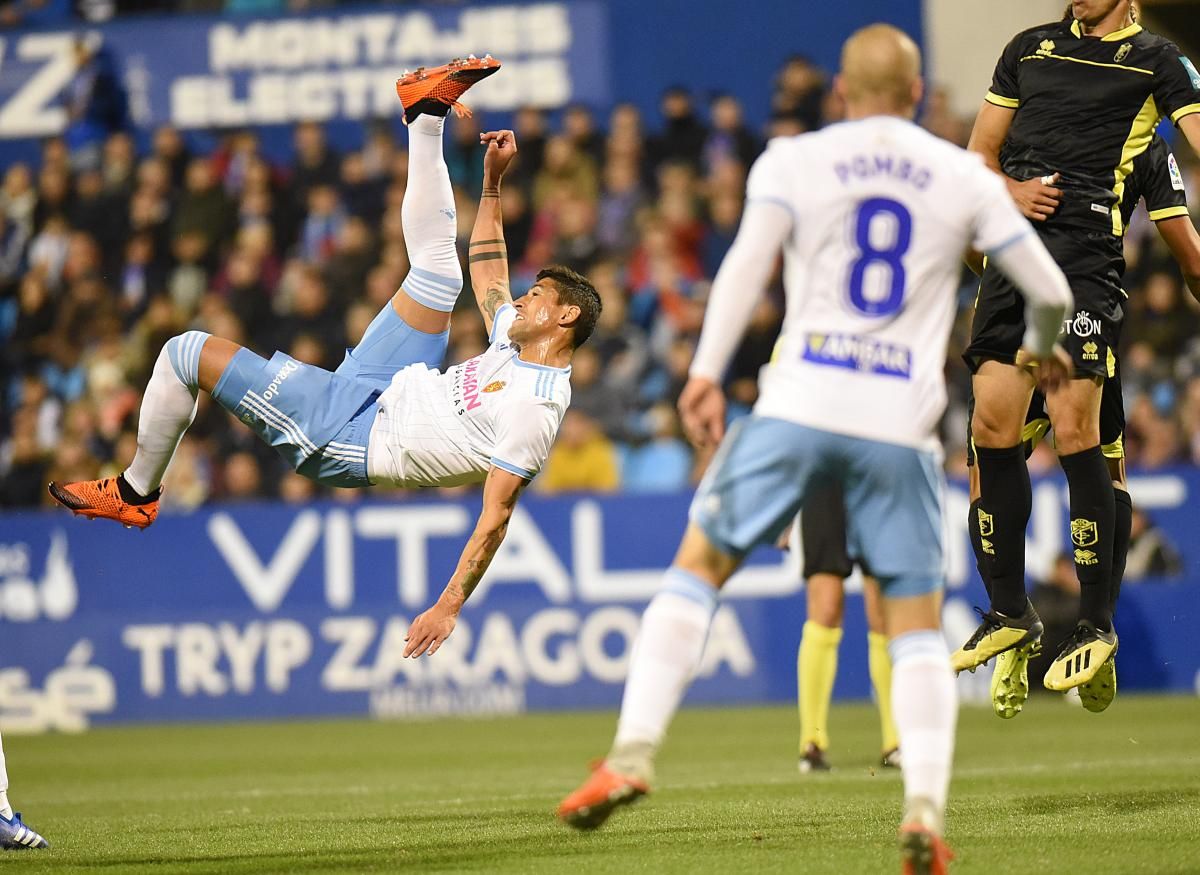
pixel 446 429
pixel 882 213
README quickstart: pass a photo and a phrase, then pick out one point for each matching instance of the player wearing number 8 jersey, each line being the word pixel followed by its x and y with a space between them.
pixel 872 217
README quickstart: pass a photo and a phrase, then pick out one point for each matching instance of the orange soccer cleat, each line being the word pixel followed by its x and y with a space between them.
pixel 101 499
pixel 923 851
pixel 600 795
pixel 436 90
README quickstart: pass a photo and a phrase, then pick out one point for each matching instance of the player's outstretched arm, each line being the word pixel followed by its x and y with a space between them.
pixel 500 493
pixel 487 257
pixel 1181 237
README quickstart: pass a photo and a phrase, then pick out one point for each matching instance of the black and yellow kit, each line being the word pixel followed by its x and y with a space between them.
pixel 1085 108
pixel 823 534
pixel 1156 180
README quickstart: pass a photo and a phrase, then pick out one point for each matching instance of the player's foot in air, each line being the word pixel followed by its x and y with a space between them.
pixel 923 851
pixel 436 90
pixel 890 759
pixel 813 760
pixel 996 634
pixel 108 499
pixel 599 796
pixel 1098 693
pixel 16 836
pixel 1081 657
pixel 1010 679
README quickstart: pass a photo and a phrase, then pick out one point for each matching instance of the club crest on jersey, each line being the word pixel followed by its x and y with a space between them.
pixel 1123 52
pixel 495 386
pixel 856 353
pixel 1046 47
pixel 1084 533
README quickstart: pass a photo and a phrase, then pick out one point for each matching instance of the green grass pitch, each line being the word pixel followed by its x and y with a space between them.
pixel 1055 790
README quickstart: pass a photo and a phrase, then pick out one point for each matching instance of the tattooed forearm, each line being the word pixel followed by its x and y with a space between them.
pixel 488 256
pixel 496 297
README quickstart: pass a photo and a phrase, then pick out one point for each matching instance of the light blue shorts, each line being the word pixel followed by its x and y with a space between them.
pixel 759 478
pixel 319 421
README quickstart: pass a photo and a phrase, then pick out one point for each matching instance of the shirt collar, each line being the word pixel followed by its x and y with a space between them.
pixel 1123 33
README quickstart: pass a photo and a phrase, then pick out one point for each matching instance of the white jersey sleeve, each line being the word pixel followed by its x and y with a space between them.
pixel 500 325
pixel 996 222
pixel 525 432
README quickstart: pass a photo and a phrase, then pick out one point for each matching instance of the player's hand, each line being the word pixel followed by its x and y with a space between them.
pixel 1051 372
pixel 429 630
pixel 501 150
pixel 1037 198
pixel 702 412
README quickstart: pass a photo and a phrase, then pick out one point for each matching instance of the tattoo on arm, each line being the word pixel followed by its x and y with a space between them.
pixel 499 241
pixel 496 297
pixel 475 569
pixel 487 256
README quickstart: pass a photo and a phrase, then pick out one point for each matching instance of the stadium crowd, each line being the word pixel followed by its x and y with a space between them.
pixel 105 253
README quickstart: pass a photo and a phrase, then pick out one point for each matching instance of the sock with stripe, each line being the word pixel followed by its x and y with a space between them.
pixel 879 663
pixel 816 668
pixel 1006 500
pixel 168 408
pixel 665 656
pixel 1093 518
pixel 1121 533
pixel 429 220
pixel 926 703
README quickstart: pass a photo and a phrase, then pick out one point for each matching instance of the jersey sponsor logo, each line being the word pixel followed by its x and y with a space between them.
pixel 1193 74
pixel 1173 170
pixel 1091 352
pixel 1084 533
pixel 470 384
pixel 858 354
pixel 1123 52
pixel 289 368
pixel 495 386
pixel 1046 47
pixel 1083 325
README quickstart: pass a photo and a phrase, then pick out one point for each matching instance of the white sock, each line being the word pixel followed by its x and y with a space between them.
pixel 5 809
pixel 925 706
pixel 430 223
pixel 168 408
pixel 665 656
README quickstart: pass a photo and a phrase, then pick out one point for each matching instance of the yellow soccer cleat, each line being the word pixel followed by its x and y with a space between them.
pixel 1098 693
pixel 1081 657
pixel 996 634
pixel 1010 680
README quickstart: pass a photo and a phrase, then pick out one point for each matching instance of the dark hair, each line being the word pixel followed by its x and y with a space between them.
pixel 575 289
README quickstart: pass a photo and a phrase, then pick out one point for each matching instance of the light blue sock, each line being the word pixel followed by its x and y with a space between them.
pixel 184 353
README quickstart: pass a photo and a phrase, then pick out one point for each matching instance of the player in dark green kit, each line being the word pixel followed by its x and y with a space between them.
pixel 1071 106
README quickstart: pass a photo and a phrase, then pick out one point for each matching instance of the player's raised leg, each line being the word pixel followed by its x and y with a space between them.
pixel 14 835
pixel 1002 392
pixel 187 363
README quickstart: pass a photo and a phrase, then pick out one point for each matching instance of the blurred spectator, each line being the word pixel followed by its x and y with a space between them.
pixel 1150 553
pixel 729 139
pixel 95 102
pixel 799 94
pixel 683 136
pixel 582 460
pixel 662 464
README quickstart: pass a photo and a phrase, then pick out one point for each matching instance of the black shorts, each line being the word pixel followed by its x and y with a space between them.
pixel 1093 263
pixel 1037 421
pixel 823 533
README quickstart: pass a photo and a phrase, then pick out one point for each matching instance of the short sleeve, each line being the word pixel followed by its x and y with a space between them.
pixel 500 325
pixel 996 223
pixel 524 435
pixel 1176 84
pixel 1005 90
pixel 1160 182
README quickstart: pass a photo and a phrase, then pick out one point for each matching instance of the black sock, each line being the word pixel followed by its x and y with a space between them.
pixel 1124 522
pixel 977 545
pixel 1093 512
pixel 1005 502
pixel 130 495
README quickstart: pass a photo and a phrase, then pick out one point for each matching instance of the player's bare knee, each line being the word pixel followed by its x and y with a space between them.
pixel 992 426
pixel 701 558
pixel 1075 435
pixel 826 600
